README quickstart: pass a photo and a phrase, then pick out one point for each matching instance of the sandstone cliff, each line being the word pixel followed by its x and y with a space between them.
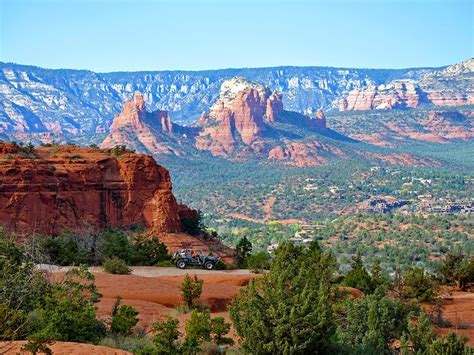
pixel 239 117
pixel 53 188
pixel 243 123
pixel 386 96
pixel 452 86
pixel 140 130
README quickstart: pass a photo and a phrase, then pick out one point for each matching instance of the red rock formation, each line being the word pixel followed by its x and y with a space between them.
pixel 248 115
pixel 343 104
pixel 217 134
pixel 186 212
pixel 274 108
pixel 71 187
pixel 386 97
pixel 304 154
pixel 451 86
pixel 137 129
pixel 450 98
pixel 238 119
pixel 201 122
pixel 165 120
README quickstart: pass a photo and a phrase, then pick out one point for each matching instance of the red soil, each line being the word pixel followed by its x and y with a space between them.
pixel 156 297
pixel 459 310
pixel 62 348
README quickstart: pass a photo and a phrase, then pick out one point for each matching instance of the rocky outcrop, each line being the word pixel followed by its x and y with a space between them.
pixel 383 97
pixel 274 107
pixel 304 154
pixel 238 118
pixel 217 132
pixel 54 188
pixel 452 86
pixel 146 132
pixel 248 114
pixel 247 121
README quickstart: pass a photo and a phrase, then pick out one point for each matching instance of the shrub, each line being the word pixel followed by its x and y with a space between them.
pixel 419 285
pixel 358 277
pixel 242 251
pixel 368 324
pixel 258 262
pixel 69 313
pixel 165 336
pixel 116 266
pixel 132 343
pixel 450 344
pixel 22 289
pixel 191 289
pixel 164 263
pixel 124 318
pixel 219 328
pixel 198 327
pixel 458 269
pixel 64 250
pixel 148 252
pixel 269 313
pixel 193 226
pixel 115 243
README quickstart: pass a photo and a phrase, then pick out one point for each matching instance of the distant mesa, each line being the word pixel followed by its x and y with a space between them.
pixel 452 86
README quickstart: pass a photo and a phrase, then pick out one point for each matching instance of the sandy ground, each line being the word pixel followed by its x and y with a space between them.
pixel 62 348
pixel 459 310
pixel 155 291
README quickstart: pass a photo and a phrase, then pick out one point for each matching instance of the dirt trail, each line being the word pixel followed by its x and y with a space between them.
pixel 267 208
pixel 152 271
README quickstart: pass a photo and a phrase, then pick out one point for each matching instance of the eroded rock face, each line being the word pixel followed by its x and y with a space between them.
pixel 248 115
pixel 140 130
pixel 452 86
pixel 274 107
pixel 239 117
pixel 66 187
pixel 383 97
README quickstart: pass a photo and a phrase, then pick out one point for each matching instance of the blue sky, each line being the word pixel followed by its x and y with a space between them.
pixel 114 35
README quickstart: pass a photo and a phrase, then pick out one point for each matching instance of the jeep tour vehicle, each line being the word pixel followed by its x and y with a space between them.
pixel 191 257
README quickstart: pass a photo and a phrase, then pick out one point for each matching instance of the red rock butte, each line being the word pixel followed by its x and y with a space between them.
pixel 49 189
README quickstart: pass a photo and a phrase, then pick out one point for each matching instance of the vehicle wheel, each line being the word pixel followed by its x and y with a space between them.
pixel 209 265
pixel 181 264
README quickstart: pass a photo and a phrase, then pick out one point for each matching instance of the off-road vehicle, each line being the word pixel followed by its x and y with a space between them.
pixel 191 257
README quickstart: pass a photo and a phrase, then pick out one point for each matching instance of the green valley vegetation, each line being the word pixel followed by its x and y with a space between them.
pixel 396 240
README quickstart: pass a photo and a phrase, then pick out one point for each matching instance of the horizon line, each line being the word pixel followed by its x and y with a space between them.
pixel 231 68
